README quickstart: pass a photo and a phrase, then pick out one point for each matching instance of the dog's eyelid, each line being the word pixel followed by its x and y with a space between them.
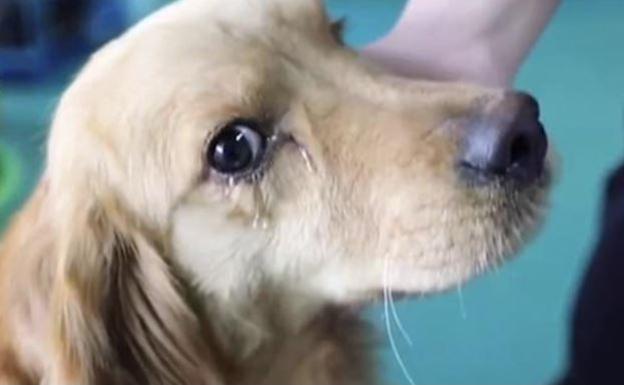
pixel 264 125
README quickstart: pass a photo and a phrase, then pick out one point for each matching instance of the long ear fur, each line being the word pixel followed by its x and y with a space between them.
pixel 119 312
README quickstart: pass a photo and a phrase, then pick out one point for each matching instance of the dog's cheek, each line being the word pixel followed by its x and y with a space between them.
pixel 218 252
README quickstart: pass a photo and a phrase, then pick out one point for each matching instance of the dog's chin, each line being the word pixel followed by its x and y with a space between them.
pixel 405 280
pixel 416 284
pixel 423 282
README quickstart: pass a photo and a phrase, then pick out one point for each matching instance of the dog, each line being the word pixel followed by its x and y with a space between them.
pixel 227 184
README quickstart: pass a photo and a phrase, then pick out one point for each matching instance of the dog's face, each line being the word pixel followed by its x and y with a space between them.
pixel 260 150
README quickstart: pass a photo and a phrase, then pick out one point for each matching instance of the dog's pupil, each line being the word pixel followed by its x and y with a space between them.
pixel 232 151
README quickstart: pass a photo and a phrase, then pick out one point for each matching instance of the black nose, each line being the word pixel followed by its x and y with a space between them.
pixel 506 143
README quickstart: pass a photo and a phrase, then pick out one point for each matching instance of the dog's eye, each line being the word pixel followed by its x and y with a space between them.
pixel 239 147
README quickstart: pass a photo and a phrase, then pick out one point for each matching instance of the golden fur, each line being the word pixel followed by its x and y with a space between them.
pixel 132 263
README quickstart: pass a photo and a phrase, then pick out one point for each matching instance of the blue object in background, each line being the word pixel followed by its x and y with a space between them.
pixel 511 326
pixel 37 36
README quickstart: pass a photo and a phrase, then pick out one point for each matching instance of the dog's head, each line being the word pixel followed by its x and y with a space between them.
pixel 244 143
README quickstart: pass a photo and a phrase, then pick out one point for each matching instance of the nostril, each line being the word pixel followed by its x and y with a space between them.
pixel 508 143
pixel 520 150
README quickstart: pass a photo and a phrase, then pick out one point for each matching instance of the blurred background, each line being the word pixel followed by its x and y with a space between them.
pixel 507 328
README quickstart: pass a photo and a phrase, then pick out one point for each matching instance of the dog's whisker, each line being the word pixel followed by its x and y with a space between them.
pixel 397 321
pixel 395 315
pixel 387 300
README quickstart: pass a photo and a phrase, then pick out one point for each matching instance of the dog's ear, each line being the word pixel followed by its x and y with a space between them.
pixel 338 28
pixel 119 312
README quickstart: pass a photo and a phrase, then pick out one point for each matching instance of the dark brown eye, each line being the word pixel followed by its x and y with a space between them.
pixel 238 148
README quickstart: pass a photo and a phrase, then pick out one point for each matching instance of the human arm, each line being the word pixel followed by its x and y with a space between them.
pixel 482 41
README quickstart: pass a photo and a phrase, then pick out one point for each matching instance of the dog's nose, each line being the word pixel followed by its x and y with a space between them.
pixel 507 142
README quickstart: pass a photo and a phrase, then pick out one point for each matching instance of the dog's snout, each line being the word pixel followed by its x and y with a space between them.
pixel 506 142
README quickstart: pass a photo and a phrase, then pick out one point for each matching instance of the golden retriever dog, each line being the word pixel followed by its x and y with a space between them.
pixel 227 184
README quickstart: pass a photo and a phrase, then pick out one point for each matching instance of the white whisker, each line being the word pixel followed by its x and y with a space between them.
pixel 395 350
pixel 397 320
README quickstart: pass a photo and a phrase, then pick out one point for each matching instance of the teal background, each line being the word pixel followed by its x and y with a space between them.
pixel 511 326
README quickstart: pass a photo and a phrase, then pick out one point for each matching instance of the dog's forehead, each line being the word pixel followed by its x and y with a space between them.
pixel 303 11
pixel 228 44
pixel 244 16
pixel 217 31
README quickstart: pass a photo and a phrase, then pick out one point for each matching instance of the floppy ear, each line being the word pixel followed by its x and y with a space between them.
pixel 119 313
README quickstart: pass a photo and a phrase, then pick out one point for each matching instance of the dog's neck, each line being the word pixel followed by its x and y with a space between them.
pixel 278 336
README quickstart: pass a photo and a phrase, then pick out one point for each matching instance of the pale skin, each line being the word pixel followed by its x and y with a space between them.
pixel 479 41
